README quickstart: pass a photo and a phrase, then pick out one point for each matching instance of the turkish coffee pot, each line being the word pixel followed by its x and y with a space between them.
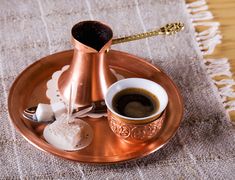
pixel 89 70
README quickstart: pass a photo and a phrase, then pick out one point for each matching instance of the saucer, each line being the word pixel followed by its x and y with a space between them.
pixel 30 88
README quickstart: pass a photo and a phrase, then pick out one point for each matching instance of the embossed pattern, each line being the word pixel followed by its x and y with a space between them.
pixel 135 133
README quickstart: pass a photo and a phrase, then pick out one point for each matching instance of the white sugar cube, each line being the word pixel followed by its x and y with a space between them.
pixel 58 109
pixel 44 113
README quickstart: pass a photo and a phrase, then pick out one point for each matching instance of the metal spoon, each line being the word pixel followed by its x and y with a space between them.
pixel 168 29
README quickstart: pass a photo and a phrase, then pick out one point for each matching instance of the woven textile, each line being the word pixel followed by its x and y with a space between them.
pixel 204 145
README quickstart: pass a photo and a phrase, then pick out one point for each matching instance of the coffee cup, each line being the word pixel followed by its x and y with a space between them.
pixel 136 108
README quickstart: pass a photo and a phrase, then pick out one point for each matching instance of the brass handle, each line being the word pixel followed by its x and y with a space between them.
pixel 168 29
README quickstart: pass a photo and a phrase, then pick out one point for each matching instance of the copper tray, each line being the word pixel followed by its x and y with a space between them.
pixel 30 88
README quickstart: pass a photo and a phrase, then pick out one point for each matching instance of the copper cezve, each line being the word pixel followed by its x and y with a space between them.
pixel 89 69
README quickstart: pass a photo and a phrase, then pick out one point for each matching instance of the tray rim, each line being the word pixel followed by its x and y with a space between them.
pixel 21 132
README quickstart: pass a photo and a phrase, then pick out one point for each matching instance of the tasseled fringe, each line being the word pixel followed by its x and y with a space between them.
pixel 209 38
pixel 201 16
pixel 207 41
pixel 218 67
pixel 196 4
pixel 221 67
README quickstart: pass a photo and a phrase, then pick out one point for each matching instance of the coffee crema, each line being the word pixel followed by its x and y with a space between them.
pixel 135 103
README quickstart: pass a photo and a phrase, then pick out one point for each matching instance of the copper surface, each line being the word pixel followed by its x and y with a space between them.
pixel 29 89
pixel 90 73
pixel 135 133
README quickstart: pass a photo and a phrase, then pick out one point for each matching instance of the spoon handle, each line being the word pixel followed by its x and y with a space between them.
pixel 168 29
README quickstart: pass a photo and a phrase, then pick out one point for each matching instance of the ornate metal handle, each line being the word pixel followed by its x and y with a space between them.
pixel 168 29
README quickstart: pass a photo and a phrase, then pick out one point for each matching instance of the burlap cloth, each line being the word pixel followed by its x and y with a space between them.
pixel 204 146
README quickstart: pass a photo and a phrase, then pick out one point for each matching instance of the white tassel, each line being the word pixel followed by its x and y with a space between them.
pixel 227 88
pixel 214 40
pixel 224 82
pixel 196 4
pixel 209 50
pixel 207 34
pixel 194 10
pixel 201 16
pixel 210 24
pixel 227 91
pixel 208 46
pixel 219 71
pixel 208 31
pixel 230 105
pixel 218 67
pixel 217 61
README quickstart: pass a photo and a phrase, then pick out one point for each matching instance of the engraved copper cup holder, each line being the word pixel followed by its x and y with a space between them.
pixel 135 133
pixel 89 70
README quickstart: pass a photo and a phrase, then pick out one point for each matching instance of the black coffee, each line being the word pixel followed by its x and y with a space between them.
pixel 92 33
pixel 135 103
